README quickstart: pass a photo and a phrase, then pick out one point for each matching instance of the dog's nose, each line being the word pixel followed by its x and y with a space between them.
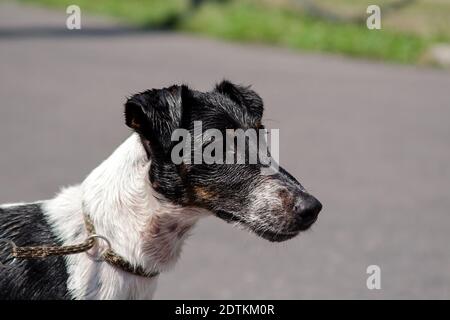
pixel 307 209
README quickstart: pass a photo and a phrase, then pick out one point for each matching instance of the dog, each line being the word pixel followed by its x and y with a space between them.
pixel 143 205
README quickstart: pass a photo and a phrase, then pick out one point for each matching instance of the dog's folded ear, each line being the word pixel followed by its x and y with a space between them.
pixel 155 114
pixel 243 96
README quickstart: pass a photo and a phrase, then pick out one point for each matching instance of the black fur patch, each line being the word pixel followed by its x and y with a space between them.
pixel 30 279
pixel 156 113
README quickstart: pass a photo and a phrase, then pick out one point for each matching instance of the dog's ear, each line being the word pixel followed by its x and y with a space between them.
pixel 155 114
pixel 243 96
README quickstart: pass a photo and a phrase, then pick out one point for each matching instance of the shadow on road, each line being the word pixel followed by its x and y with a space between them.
pixel 56 32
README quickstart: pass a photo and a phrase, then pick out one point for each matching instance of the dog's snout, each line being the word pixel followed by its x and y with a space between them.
pixel 307 209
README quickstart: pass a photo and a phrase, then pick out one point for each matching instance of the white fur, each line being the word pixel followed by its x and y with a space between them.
pixel 118 197
pixel 18 204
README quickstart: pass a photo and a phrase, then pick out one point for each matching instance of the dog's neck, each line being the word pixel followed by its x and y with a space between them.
pixel 124 208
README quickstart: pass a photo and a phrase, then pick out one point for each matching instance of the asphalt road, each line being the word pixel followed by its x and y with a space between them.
pixel 370 140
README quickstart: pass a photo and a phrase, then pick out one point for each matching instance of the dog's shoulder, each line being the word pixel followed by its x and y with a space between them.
pixel 26 225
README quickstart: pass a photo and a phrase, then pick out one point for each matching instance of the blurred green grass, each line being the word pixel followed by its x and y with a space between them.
pixel 404 37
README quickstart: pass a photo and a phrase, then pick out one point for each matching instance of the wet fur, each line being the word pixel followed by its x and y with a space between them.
pixel 30 279
pixel 146 205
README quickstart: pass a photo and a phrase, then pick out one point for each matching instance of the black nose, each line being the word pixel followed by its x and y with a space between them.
pixel 307 209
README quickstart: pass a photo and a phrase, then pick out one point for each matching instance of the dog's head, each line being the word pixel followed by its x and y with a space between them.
pixel 275 206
